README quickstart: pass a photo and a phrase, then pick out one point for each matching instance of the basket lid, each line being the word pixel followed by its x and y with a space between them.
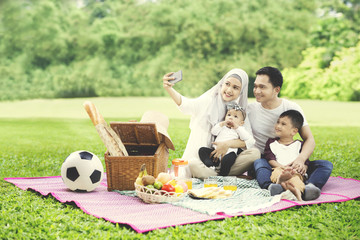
pixel 136 133
pixel 162 124
pixel 151 130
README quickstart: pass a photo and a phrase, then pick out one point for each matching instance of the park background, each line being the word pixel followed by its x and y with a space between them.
pixel 55 54
pixel 88 48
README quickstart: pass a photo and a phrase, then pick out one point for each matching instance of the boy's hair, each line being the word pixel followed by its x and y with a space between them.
pixel 296 118
pixel 275 76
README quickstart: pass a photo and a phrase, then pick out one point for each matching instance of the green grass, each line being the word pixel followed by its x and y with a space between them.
pixel 318 113
pixel 32 147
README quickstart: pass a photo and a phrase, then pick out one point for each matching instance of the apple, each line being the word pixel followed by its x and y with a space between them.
pixel 184 185
pixel 158 185
pixel 179 188
pixel 168 187
pixel 163 177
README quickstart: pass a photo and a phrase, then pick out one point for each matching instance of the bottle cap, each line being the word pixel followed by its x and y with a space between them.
pixel 179 161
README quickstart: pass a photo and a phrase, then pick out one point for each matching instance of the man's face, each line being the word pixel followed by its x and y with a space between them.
pixel 264 90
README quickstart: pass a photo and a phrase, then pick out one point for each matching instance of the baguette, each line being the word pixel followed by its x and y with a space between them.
pixel 93 113
pixel 110 139
pixel 117 140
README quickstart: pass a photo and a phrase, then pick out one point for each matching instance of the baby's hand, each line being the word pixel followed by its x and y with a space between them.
pixel 223 123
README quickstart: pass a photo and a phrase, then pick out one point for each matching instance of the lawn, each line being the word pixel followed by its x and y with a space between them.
pixel 37 135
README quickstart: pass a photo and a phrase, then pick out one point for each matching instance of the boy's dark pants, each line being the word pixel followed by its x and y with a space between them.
pixel 318 171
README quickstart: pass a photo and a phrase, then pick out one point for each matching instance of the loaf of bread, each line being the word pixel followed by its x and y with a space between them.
pixel 110 139
pixel 93 113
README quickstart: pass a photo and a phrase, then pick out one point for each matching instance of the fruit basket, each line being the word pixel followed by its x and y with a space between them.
pixel 150 195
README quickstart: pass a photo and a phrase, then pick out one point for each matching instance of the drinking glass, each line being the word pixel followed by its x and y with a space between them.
pixel 229 183
pixel 210 182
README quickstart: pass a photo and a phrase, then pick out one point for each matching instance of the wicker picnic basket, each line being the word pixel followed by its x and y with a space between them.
pixel 144 145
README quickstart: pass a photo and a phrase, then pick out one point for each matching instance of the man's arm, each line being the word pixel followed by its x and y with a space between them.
pixel 308 148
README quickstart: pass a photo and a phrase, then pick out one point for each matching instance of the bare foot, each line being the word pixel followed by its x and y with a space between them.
pixel 285 175
pixel 289 186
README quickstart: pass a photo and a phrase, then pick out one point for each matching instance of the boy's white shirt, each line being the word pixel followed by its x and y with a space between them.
pixel 285 154
pixel 263 120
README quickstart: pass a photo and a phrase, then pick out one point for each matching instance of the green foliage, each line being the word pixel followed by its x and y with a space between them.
pixel 54 49
pixel 340 81
pixel 329 70
pixel 338 27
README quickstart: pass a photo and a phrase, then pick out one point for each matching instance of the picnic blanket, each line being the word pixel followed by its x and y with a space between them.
pixel 131 211
pixel 248 197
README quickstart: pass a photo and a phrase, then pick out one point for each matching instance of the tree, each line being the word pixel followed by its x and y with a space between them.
pixel 340 81
pixel 120 48
pixel 338 27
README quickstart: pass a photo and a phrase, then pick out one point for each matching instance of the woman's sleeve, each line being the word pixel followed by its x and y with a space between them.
pixel 188 106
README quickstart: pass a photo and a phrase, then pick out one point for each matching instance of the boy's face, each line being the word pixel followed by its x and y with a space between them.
pixel 230 89
pixel 235 117
pixel 284 128
pixel 264 90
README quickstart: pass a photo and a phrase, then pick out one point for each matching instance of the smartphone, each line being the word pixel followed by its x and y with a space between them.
pixel 178 77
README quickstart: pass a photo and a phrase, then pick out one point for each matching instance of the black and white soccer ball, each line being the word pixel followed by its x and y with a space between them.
pixel 82 171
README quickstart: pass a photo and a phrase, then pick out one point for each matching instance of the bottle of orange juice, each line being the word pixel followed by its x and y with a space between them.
pixel 180 170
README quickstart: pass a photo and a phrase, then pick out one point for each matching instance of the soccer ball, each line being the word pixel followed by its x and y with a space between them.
pixel 82 171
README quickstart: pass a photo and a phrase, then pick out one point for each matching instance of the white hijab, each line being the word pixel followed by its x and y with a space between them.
pixel 216 106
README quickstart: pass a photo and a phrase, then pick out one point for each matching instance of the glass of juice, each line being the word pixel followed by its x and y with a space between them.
pixel 210 182
pixel 229 183
pixel 188 182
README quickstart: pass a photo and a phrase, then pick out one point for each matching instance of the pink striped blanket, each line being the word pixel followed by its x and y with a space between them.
pixel 129 210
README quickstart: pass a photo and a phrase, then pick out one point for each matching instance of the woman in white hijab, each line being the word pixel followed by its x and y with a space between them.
pixel 206 111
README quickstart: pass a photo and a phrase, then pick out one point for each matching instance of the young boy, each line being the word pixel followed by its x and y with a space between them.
pixel 231 128
pixel 283 150
pixel 263 115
